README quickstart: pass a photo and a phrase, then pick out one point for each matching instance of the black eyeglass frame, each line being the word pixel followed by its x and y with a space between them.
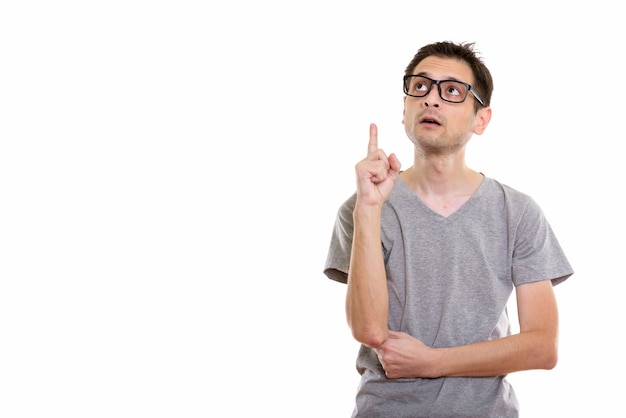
pixel 438 84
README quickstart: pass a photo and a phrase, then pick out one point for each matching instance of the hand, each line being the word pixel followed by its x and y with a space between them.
pixel 403 356
pixel 377 173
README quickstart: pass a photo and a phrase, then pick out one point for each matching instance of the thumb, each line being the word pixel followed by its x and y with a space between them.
pixel 394 164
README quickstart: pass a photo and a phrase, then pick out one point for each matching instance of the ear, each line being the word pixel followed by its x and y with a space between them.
pixel 483 116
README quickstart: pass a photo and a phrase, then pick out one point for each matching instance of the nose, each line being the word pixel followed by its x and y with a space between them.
pixel 433 98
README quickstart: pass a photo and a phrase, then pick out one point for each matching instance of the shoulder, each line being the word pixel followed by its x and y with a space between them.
pixel 516 204
pixel 511 195
pixel 494 185
pixel 347 208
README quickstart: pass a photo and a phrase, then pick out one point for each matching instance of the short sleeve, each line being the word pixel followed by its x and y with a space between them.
pixel 338 258
pixel 537 254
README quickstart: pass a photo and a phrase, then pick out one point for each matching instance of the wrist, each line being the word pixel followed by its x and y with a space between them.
pixel 437 362
pixel 366 211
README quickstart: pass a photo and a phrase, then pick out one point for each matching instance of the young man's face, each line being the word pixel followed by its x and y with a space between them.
pixel 434 124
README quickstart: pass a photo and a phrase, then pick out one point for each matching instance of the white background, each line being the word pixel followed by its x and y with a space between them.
pixel 170 173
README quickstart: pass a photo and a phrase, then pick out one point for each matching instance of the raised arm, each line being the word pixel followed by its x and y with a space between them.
pixel 367 299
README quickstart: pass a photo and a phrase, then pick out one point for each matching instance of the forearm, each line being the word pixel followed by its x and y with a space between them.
pixel 524 351
pixel 367 300
pixel 534 347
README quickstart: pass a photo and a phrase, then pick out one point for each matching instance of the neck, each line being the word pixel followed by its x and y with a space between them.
pixel 441 175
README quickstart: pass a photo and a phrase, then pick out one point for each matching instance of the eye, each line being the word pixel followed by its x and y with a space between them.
pixel 420 86
pixel 453 90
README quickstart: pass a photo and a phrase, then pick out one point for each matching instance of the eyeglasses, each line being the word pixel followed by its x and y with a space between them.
pixel 449 90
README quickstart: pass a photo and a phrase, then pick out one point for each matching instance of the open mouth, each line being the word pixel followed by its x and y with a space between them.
pixel 430 121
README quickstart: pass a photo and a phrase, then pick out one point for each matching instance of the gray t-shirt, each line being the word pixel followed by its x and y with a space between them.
pixel 449 281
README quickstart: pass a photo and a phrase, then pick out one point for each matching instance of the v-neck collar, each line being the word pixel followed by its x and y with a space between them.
pixel 427 210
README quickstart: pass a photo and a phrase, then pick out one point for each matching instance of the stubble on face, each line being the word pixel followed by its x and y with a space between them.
pixel 436 140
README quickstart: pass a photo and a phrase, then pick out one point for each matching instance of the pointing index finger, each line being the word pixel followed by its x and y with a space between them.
pixel 373 144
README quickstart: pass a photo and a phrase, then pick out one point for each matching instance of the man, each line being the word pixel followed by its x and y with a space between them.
pixel 432 253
